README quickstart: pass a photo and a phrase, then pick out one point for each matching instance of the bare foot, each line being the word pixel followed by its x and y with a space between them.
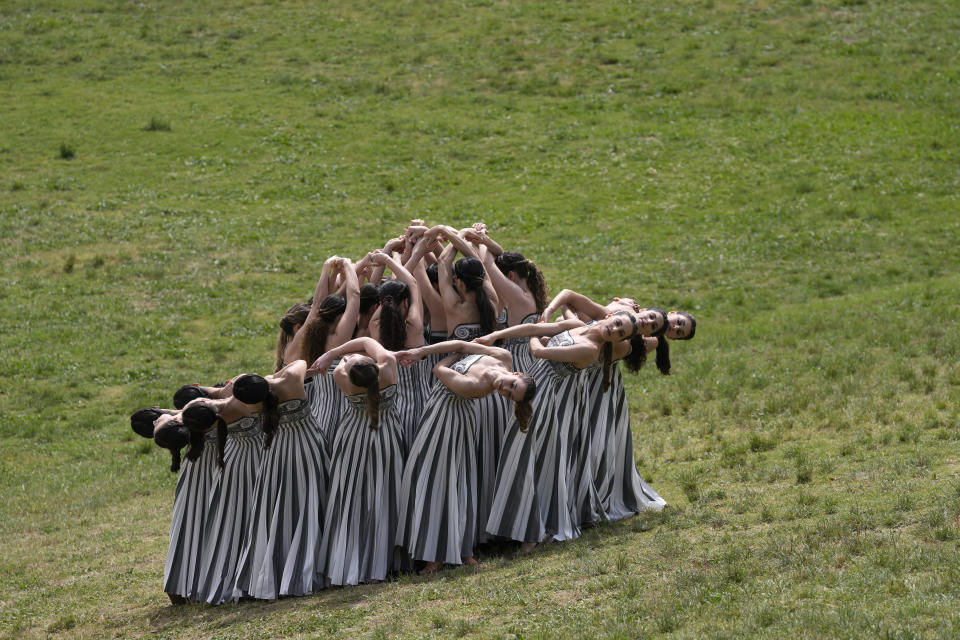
pixel 175 599
pixel 430 568
pixel 470 562
pixel 527 547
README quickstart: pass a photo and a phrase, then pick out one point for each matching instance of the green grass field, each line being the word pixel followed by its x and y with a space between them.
pixel 172 176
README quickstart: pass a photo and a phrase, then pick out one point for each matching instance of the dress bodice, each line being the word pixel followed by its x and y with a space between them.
pixel 463 365
pixel 467 331
pixel 387 395
pixel 563 339
pixel 528 319
pixel 248 427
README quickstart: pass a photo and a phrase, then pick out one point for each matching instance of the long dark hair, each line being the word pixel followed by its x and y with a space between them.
pixel 198 419
pixel 524 409
pixel 663 345
pixel 511 261
pixel 141 421
pixel 186 393
pixel 470 272
pixel 297 314
pixel 369 296
pixel 367 374
pixel 607 349
pixel 393 326
pixel 251 389
pixel 331 308
pixel 173 436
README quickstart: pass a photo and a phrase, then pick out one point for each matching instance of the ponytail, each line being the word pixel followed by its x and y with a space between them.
pixel 297 314
pixel 393 326
pixel 524 409
pixel 174 437
pixel 470 272
pixel 607 360
pixel 331 308
pixel 512 261
pixel 366 374
pixel 253 389
pixel 270 417
pixel 663 355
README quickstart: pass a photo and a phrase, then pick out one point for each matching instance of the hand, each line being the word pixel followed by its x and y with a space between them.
pixel 378 258
pixel 394 244
pixel 486 340
pixel 408 357
pixel 479 227
pixel 472 235
pixel 320 365
pixel 416 222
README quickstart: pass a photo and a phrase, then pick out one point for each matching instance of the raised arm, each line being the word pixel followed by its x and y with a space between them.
pixel 320 292
pixel 577 302
pixel 415 308
pixel 454 346
pixel 348 321
pixel 368 346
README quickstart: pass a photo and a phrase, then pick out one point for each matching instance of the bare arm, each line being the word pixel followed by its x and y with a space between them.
pixel 348 321
pixel 530 330
pixel 465 386
pixel 320 292
pixel 581 354
pixel 576 301
pixel 368 346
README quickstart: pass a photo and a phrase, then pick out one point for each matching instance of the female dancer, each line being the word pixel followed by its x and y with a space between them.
pixel 508 508
pixel 280 554
pixel 330 323
pixel 360 522
pixel 438 499
pixel 398 325
pixel 621 490
pixel 558 411
pixel 290 324
pixel 238 442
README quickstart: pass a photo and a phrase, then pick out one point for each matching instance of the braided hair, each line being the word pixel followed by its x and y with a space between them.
pixel 511 261
pixel 470 272
pixel 366 373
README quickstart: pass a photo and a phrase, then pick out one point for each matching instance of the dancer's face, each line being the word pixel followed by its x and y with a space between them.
pixel 512 386
pixel 617 326
pixel 678 326
pixel 649 321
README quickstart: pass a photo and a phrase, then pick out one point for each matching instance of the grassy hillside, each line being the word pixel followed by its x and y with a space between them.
pixel 172 176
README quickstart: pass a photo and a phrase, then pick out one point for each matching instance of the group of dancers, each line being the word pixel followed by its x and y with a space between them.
pixel 408 419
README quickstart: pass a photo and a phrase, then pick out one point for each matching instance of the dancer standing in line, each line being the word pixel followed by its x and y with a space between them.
pixel 438 499
pixel 361 517
pixel 621 490
pixel 280 556
pixel 510 509
pixel 330 323
pixel 398 325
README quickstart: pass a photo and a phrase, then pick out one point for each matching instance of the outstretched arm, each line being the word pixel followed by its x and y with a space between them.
pixel 581 354
pixel 530 330
pixel 453 346
pixel 368 346
pixel 577 302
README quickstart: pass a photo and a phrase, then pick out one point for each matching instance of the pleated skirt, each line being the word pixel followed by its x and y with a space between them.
pixel 228 519
pixel 281 553
pixel 494 413
pixel 438 495
pixel 411 390
pixel 360 523
pixel 185 558
pixel 585 508
pixel 326 404
pixel 556 408
pixel 515 507
pixel 621 490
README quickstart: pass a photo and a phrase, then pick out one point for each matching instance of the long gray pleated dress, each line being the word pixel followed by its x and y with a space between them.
pixel 585 508
pixel 326 403
pixel 411 390
pixel 515 508
pixel 280 556
pixel 360 523
pixel 438 496
pixel 228 518
pixel 494 413
pixel 621 490
pixel 557 408
pixel 181 573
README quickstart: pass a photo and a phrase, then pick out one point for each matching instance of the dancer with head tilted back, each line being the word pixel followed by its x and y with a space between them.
pixel 438 499
pixel 621 490
pixel 281 552
pixel 557 417
pixel 238 447
pixel 366 467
